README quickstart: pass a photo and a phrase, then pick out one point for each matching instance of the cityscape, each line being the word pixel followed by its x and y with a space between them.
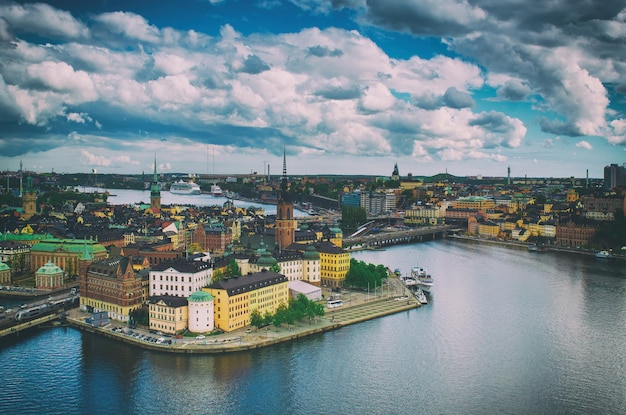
pixel 149 262
pixel 312 207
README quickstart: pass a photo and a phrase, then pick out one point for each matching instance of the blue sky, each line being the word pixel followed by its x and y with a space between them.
pixel 345 86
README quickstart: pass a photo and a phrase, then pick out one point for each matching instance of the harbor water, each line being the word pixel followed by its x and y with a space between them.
pixel 506 331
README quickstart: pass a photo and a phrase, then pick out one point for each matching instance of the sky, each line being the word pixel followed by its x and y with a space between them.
pixel 468 87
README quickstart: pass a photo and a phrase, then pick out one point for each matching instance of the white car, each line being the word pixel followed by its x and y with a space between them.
pixel 200 337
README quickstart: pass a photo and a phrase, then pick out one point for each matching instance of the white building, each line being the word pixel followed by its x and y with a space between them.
pixel 201 309
pixel 179 278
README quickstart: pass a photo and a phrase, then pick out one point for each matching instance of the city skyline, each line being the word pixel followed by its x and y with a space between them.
pixel 344 86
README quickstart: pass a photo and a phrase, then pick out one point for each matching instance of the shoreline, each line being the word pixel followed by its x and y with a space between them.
pixel 240 340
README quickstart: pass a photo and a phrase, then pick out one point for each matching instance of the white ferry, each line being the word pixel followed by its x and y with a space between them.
pixel 184 188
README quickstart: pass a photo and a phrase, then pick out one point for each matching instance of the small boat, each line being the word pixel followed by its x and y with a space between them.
pixel 420 296
pixel 216 191
pixel 603 254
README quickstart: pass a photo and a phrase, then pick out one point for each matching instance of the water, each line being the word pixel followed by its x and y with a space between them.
pixel 506 331
pixel 126 197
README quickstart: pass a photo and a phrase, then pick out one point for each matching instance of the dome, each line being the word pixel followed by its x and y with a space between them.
pixel 49 268
pixel 200 297
pixel 266 260
pixel 310 253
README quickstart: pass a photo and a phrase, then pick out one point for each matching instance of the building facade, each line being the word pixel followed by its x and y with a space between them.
pixel 64 253
pixel 236 298
pixel 179 278
pixel 168 314
pixel 49 277
pixel 112 285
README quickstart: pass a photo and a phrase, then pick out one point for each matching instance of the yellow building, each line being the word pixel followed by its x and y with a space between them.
pixel 235 298
pixel 168 314
pixel 489 229
pixel 334 264
pixel 474 202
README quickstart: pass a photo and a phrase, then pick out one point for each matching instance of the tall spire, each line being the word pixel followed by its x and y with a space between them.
pixel 155 173
pixel 284 186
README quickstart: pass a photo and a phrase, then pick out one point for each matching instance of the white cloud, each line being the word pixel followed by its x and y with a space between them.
pixel 129 25
pixel 584 144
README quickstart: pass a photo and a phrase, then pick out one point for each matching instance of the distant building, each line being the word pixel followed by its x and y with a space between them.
pixel 155 192
pixel 614 176
pixel 5 274
pixel 49 277
pixel 285 222
pixel 64 253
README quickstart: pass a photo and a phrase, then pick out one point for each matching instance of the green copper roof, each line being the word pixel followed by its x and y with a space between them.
pixel 77 246
pixel 200 297
pixel 310 253
pixel 3 266
pixel 49 268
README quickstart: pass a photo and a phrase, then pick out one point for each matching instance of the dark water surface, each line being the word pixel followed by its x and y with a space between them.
pixel 506 331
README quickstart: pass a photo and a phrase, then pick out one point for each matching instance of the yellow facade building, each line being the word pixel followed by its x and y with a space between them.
pixel 168 314
pixel 235 298
pixel 334 264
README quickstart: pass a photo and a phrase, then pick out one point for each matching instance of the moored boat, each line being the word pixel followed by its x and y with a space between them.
pixel 603 254
pixel 216 190
pixel 423 278
pixel 420 296
pixel 184 188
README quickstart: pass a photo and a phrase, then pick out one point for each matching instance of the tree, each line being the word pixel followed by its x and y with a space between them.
pixel 275 268
pixel 364 275
pixel 232 269
pixel 256 319
pixel 194 247
pixel 218 276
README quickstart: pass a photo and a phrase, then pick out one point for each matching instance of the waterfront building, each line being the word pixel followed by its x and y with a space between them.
pixel 334 264
pixel 49 277
pixel 64 253
pixel 168 314
pixel 5 274
pixel 112 285
pixel 235 298
pixel 201 312
pixel 488 229
pixel 424 216
pixel 575 235
pixel 179 278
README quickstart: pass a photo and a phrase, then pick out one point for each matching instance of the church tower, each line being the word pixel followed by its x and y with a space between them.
pixel 29 201
pixel 155 192
pixel 285 223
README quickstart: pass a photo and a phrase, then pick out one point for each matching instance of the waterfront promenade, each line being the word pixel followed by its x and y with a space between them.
pixel 358 307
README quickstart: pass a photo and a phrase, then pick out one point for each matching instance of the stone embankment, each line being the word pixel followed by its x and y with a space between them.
pixel 359 308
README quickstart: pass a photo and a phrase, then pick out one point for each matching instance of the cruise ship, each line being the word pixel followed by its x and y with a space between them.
pixel 216 190
pixel 184 188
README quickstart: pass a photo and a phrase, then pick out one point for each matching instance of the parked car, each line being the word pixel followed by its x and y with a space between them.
pixel 200 337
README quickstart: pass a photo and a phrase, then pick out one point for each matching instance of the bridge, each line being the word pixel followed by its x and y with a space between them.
pixel 35 314
pixel 397 237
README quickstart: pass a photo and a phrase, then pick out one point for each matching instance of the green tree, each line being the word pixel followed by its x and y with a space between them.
pixel 232 269
pixel 256 319
pixel 364 275
pixel 352 217
pixel 140 316
pixel 275 268
pixel 218 276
